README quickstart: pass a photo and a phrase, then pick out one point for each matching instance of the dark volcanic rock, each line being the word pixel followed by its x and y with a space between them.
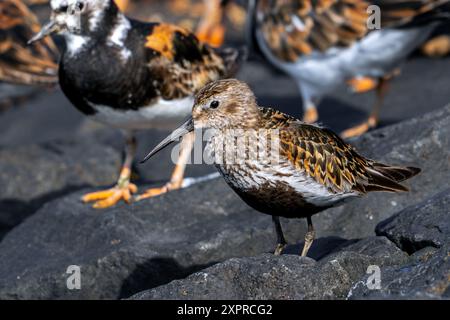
pixel 32 175
pixel 427 276
pixel 129 248
pixel 283 277
pixel 419 226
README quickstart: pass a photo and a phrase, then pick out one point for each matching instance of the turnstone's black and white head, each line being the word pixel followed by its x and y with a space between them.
pixel 81 21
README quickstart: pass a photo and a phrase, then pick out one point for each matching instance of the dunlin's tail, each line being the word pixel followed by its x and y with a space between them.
pixel 387 178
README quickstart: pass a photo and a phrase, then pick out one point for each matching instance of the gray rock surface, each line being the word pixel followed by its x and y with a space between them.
pixel 127 249
pixel 284 277
pixel 32 175
pixel 420 226
pixel 427 276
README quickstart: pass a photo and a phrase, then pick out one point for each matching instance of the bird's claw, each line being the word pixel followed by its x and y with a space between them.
pixel 108 198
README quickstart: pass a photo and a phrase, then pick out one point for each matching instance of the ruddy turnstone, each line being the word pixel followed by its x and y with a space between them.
pixel 307 169
pixel 322 44
pixel 19 63
pixel 131 75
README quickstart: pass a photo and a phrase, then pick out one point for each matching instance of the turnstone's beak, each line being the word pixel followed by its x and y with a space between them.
pixel 182 130
pixel 46 30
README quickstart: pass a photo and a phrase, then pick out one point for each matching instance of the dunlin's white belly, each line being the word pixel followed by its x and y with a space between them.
pixel 161 115
pixel 257 175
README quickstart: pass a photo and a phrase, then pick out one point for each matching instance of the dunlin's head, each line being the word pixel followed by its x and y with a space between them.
pixel 225 104
pixel 222 104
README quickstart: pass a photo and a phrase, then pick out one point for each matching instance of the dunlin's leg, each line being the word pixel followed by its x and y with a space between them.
pixel 123 188
pixel 309 237
pixel 176 180
pixel 372 121
pixel 281 241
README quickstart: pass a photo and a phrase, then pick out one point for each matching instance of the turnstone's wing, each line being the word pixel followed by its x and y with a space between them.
pixel 299 27
pixel 20 63
pixel 329 160
pixel 182 65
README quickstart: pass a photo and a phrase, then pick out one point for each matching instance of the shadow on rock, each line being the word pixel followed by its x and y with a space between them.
pixel 14 211
pixel 321 247
pixel 156 272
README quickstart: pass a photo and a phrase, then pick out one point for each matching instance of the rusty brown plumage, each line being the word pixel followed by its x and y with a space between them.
pixel 20 63
pixel 295 28
pixel 183 64
pixel 329 160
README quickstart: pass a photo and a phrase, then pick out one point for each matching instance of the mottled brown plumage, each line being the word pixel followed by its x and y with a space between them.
pixel 311 170
pixel 299 27
pixel 20 63
pixel 184 64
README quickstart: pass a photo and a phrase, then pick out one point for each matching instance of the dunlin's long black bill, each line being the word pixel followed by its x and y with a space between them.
pixel 182 130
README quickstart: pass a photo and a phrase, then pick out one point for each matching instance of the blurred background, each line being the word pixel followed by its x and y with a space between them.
pixel 31 115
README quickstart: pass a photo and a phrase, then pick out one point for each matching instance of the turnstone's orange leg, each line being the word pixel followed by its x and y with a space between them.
pixel 210 29
pixel 437 47
pixel 362 84
pixel 311 115
pixel 122 4
pixel 123 189
pixel 281 241
pixel 309 237
pixel 372 120
pixel 176 181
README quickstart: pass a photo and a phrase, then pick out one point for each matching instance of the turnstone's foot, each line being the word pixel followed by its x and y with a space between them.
pixel 279 249
pixel 108 198
pixel 154 192
pixel 437 47
pixel 362 84
pixel 358 130
pixel 311 115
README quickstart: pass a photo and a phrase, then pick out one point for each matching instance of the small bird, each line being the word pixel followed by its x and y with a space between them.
pixel 307 169
pixel 322 44
pixel 132 76
pixel 20 63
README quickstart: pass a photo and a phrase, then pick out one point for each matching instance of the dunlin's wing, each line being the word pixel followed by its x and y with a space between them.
pixel 181 64
pixel 20 63
pixel 299 27
pixel 331 161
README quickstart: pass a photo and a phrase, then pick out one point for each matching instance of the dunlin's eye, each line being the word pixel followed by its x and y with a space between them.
pixel 214 104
